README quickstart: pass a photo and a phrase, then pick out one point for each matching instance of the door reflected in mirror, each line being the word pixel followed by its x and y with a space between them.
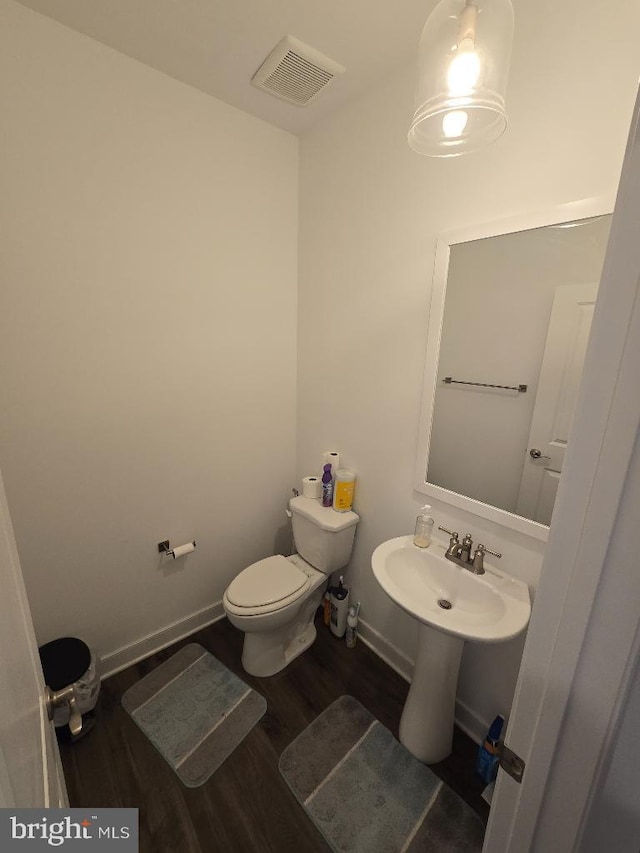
pixel 517 312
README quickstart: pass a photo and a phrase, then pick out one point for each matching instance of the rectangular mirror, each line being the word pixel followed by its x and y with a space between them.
pixel 510 320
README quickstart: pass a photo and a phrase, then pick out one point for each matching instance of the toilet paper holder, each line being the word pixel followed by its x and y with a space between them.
pixel 164 547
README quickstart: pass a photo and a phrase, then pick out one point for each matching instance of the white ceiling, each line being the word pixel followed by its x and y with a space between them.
pixel 217 45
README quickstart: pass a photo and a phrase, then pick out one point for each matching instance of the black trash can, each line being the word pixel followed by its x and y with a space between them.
pixel 69 661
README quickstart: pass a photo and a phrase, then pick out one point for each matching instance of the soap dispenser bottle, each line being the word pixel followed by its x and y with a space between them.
pixel 424 528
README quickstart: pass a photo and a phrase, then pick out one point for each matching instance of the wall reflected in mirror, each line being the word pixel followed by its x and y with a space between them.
pixel 517 311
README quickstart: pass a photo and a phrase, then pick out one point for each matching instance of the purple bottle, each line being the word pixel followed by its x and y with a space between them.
pixel 327 486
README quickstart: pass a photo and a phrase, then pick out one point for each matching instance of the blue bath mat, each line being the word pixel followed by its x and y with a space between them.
pixel 194 711
pixel 367 794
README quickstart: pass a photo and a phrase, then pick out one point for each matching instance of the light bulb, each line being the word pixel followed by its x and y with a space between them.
pixel 454 123
pixel 464 69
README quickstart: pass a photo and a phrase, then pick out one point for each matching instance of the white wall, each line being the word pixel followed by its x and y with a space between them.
pixel 147 333
pixel 498 303
pixel 370 213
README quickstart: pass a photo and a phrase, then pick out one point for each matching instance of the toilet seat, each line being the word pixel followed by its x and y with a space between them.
pixel 266 586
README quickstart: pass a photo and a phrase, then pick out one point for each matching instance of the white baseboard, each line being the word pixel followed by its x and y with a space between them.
pixel 470 723
pixel 385 650
pixel 465 718
pixel 140 649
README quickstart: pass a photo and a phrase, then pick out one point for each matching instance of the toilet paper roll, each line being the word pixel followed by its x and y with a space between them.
pixel 312 487
pixel 181 550
pixel 333 458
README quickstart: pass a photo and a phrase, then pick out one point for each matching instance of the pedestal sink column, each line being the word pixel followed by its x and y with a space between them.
pixel 426 726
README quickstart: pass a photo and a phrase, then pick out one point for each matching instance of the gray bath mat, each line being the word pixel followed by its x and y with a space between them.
pixel 194 711
pixel 367 794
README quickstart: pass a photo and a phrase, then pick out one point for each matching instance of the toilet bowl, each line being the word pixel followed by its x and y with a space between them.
pixel 276 631
pixel 274 600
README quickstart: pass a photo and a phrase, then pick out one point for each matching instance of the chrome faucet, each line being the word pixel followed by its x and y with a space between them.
pixel 465 550
pixel 460 554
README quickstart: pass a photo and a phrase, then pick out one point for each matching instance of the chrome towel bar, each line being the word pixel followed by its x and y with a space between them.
pixel 520 388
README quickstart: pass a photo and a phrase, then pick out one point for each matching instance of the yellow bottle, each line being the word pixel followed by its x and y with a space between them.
pixel 343 490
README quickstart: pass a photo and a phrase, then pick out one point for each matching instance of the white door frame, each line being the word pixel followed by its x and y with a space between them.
pixel 583 637
pixel 30 769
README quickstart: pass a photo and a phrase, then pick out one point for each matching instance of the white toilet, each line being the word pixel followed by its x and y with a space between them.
pixel 274 600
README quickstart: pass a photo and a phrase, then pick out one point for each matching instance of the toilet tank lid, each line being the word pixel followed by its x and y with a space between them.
pixel 323 516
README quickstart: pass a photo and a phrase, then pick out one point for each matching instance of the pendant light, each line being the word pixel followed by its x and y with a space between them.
pixel 463 66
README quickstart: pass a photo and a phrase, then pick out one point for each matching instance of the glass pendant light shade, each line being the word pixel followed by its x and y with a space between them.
pixel 463 67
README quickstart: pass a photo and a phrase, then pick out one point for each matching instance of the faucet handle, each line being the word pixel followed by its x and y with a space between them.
pixel 478 558
pixel 489 551
pixel 454 543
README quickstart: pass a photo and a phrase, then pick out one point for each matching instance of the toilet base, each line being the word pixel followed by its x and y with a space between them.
pixel 265 653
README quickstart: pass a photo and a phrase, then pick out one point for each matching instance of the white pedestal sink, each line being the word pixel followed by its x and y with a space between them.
pixel 452 605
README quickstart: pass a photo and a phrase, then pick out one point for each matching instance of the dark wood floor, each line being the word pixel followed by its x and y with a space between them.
pixel 246 806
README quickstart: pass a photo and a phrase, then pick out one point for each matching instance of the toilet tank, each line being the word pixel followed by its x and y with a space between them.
pixel 323 537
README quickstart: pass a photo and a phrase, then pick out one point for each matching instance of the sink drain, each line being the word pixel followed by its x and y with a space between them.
pixel 446 605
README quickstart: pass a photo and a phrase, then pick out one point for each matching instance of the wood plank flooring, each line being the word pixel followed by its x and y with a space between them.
pixel 246 806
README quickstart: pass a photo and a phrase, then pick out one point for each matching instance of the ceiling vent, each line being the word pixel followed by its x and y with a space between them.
pixel 296 72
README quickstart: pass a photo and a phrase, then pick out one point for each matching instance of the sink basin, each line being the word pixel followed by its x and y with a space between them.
pixel 453 606
pixel 488 608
